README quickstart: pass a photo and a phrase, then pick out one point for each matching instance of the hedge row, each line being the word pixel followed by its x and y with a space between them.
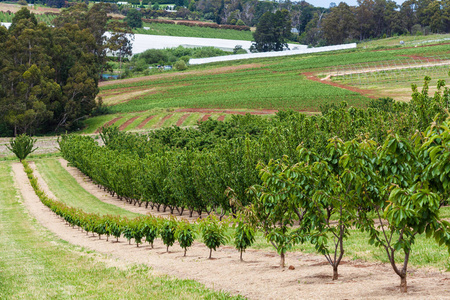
pixel 146 227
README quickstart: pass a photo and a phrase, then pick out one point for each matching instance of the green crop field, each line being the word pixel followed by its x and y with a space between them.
pixel 252 89
pixel 278 84
pixel 195 31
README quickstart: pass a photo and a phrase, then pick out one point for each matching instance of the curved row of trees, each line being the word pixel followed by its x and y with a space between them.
pixel 382 170
pixel 149 228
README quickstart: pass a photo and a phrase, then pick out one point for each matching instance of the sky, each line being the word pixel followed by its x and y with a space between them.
pixel 326 3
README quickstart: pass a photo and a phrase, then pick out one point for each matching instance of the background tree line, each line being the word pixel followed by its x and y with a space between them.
pixel 50 75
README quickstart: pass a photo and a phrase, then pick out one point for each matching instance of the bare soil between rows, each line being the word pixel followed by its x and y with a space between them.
pixel 256 278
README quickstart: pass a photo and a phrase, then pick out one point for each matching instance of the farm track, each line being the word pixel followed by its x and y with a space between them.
pixel 258 277
pixel 367 93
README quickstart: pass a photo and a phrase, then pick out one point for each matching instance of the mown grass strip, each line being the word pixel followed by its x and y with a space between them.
pixel 68 191
pixel 35 265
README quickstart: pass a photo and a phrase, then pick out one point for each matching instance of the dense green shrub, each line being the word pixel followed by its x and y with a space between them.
pixel 22 146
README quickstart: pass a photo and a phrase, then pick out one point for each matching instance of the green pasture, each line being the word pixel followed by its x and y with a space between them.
pixel 250 89
pixel 194 31
pixel 37 265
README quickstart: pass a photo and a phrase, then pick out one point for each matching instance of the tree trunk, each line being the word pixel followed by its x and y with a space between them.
pixel 167 249
pixel 185 251
pixel 210 253
pixel 335 273
pixel 241 255
pixel 181 210
pixel 282 255
pixel 403 286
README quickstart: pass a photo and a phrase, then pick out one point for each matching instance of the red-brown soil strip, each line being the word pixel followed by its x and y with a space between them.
pixel 421 58
pixel 128 122
pixel 204 118
pixel 182 119
pixel 221 118
pixel 311 76
pixel 143 123
pixel 161 123
pixel 221 111
pixel 109 123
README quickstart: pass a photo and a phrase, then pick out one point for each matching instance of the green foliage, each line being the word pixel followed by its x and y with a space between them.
pixel 213 233
pixel 272 31
pixel 174 55
pixel 134 18
pixel 150 229
pixel 185 235
pixel 180 65
pixel 167 231
pixel 37 98
pixel 244 236
pixel 22 146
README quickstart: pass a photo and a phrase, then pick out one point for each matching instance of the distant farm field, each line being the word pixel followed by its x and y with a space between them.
pixel 194 31
pixel 294 82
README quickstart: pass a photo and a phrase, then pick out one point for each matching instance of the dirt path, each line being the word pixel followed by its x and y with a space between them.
pixel 367 93
pixel 257 277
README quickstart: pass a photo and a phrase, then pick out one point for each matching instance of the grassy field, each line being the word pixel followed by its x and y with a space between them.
pixel 68 191
pixel 36 265
pixel 195 31
pixel 249 89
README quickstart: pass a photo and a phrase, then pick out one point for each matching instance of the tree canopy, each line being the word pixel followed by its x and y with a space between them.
pixel 50 75
pixel 272 31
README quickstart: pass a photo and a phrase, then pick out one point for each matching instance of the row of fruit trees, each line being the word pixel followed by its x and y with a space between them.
pixel 298 179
